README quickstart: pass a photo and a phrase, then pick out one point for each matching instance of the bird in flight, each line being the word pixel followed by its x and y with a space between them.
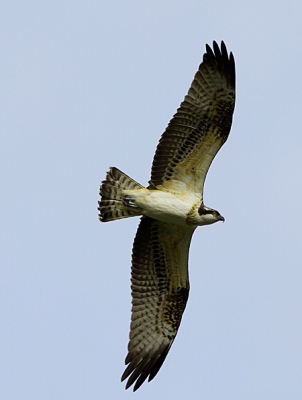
pixel 171 208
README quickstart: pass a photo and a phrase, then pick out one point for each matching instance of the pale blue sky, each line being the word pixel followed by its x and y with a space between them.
pixel 89 84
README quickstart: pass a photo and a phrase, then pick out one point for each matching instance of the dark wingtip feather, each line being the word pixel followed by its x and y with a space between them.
pixel 232 69
pixel 209 55
pixel 223 47
pixel 224 61
pixel 145 366
pixel 216 49
pixel 159 363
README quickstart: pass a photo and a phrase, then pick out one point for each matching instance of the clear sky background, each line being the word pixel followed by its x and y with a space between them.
pixel 90 84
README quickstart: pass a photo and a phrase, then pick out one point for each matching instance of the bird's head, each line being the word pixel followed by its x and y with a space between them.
pixel 208 216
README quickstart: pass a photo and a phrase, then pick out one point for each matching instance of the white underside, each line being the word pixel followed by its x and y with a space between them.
pixel 165 206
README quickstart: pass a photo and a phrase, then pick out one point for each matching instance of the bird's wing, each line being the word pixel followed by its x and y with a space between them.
pixel 160 288
pixel 200 126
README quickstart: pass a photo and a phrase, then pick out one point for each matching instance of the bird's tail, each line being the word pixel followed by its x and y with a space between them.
pixel 113 204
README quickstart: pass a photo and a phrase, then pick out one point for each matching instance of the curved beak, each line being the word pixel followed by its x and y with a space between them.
pixel 221 218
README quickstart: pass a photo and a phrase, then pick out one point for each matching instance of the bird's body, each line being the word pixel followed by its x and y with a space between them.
pixel 171 208
pixel 180 208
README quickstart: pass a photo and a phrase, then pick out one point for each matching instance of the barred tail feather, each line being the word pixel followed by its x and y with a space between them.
pixel 112 206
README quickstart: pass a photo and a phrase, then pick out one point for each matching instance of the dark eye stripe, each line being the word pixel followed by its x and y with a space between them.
pixel 202 211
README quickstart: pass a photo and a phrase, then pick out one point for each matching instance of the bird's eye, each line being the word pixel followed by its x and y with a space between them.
pixel 204 211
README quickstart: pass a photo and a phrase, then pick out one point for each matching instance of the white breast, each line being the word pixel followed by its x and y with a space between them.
pixel 165 206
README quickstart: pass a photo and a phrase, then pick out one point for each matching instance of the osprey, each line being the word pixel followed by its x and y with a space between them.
pixel 171 208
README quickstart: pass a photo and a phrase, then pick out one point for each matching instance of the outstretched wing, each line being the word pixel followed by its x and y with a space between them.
pixel 200 127
pixel 160 288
